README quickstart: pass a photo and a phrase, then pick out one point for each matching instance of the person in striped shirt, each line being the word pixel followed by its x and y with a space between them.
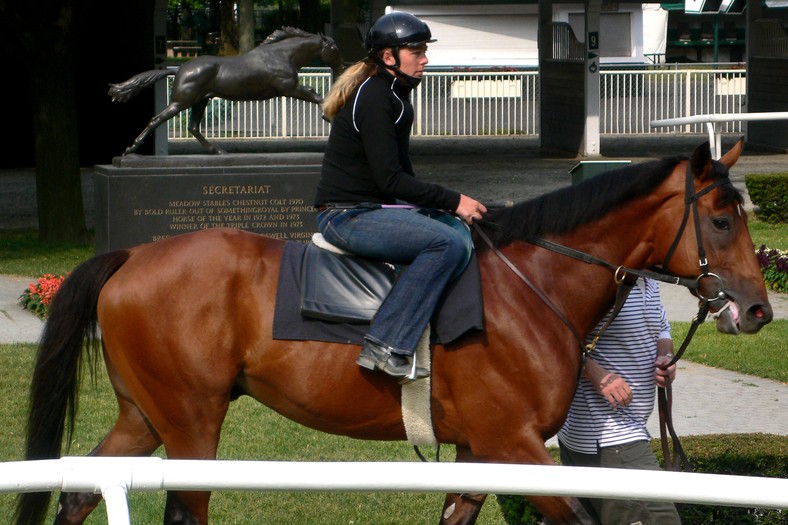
pixel 606 424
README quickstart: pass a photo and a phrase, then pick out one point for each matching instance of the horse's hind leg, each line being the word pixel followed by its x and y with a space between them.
pixel 165 115
pixel 131 436
pixel 198 111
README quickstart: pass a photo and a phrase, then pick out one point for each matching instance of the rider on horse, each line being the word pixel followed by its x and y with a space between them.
pixel 367 171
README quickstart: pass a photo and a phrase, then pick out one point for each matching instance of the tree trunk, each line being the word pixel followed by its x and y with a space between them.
pixel 245 26
pixel 61 213
pixel 44 35
pixel 310 18
pixel 229 29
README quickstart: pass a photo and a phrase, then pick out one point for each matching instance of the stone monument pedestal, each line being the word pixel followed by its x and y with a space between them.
pixel 142 199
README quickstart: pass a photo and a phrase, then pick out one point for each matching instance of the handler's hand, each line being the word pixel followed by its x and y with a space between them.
pixel 610 385
pixel 664 376
pixel 470 209
pixel 615 390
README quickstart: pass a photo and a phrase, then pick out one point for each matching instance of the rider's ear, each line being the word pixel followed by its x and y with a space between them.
pixel 387 55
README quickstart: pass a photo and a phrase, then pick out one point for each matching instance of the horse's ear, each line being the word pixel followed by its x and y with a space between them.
pixel 730 158
pixel 701 161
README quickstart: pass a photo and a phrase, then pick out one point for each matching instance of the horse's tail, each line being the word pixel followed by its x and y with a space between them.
pixel 72 323
pixel 126 90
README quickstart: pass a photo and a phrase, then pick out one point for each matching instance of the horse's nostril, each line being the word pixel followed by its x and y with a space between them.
pixel 762 313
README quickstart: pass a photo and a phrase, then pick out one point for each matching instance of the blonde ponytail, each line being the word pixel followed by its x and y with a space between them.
pixel 345 84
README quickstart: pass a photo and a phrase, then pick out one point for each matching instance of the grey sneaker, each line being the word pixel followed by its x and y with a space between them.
pixel 375 356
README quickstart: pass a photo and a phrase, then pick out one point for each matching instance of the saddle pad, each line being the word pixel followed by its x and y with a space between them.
pixel 460 311
pixel 343 288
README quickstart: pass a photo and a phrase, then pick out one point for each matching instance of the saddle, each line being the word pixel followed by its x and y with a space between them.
pixel 340 287
pixel 325 294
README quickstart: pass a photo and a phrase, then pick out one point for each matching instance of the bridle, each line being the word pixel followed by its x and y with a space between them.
pixel 623 278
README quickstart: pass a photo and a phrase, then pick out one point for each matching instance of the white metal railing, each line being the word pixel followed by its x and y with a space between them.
pixel 496 103
pixel 465 103
pixel 715 122
pixel 115 477
pixel 631 99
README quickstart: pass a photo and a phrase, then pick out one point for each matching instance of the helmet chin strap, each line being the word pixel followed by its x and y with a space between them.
pixel 408 79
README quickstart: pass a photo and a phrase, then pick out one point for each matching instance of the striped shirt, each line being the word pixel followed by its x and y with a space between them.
pixel 629 348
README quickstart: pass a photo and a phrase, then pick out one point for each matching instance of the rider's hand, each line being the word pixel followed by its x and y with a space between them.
pixel 470 209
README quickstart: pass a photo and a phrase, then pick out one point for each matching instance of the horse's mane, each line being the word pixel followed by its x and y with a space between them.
pixel 565 209
pixel 285 33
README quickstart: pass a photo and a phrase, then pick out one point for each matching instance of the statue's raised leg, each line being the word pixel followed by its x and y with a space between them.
pixel 168 112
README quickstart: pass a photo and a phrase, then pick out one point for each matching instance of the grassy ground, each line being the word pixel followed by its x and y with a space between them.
pixel 762 354
pixel 772 235
pixel 21 253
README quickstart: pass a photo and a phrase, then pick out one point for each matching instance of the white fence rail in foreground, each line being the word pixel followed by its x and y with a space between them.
pixel 115 477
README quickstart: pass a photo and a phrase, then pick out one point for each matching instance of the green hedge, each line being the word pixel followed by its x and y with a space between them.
pixel 764 455
pixel 769 192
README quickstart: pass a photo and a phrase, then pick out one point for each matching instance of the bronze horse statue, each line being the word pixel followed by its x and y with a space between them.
pixel 178 356
pixel 269 70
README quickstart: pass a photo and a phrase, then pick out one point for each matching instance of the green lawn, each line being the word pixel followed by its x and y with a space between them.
pixel 762 354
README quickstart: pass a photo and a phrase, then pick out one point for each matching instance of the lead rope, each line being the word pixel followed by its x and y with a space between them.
pixel 676 459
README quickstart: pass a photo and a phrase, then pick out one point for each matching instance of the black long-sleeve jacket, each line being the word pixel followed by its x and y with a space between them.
pixel 367 160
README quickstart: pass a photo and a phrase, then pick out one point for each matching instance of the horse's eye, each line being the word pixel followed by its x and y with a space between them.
pixel 721 224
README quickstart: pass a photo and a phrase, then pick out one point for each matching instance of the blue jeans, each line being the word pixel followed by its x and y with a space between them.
pixel 432 250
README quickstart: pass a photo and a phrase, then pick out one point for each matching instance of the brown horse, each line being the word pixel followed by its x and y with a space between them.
pixel 180 342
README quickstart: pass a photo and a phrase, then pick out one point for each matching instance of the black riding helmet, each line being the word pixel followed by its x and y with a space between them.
pixel 395 30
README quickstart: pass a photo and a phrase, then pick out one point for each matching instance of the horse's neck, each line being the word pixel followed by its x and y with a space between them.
pixel 584 291
pixel 303 51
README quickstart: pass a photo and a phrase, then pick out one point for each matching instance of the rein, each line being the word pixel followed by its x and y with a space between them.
pixel 620 273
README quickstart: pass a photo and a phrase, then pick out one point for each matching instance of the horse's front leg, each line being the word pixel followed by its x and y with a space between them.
pixel 304 93
pixel 462 509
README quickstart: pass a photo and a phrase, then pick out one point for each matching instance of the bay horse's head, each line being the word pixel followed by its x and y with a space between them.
pixel 331 56
pixel 710 240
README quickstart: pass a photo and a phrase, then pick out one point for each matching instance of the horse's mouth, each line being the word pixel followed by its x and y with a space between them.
pixel 728 318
